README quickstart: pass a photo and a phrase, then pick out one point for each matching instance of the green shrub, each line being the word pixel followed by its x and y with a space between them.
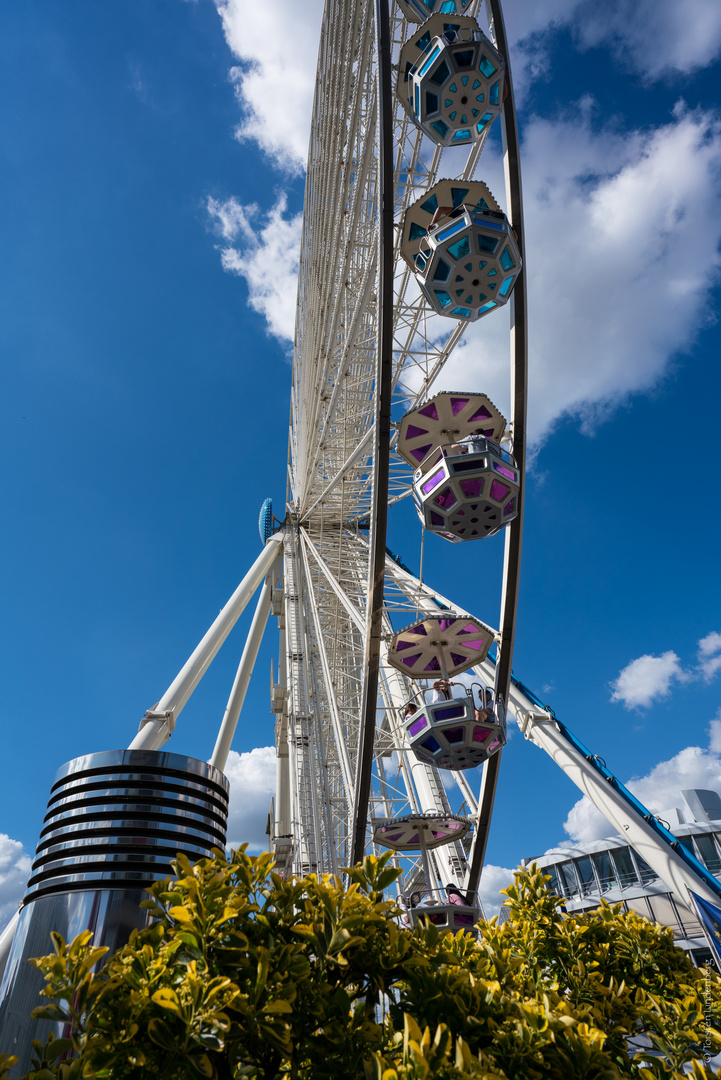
pixel 243 974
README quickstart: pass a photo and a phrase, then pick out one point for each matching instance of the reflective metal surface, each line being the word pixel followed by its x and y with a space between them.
pixel 111 914
pixel 123 815
pixel 115 821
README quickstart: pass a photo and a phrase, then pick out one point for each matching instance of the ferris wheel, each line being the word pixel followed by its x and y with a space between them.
pixel 403 246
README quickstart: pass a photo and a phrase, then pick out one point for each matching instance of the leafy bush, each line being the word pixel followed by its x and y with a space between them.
pixel 243 974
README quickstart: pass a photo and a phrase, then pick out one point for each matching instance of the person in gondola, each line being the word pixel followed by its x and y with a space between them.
pixel 472 444
pixel 484 711
pixel 441 691
pixel 455 896
pixel 458 899
pixel 475 444
pixel 441 212
pixel 409 902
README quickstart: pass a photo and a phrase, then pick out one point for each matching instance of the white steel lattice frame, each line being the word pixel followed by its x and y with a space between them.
pixel 330 471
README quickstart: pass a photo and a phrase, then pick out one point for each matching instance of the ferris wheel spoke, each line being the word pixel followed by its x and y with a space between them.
pixel 351 611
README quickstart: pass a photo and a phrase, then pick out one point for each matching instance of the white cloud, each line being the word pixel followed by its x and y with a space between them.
pixel 264 249
pixel 692 767
pixel 653 38
pixel 15 866
pixel 647 679
pixel 390 766
pixel 622 252
pixel 493 879
pixel 710 644
pixel 231 218
pixel 277 45
pixel 252 785
pixel 660 790
pixel 585 823
pixel 709 654
pixel 714 734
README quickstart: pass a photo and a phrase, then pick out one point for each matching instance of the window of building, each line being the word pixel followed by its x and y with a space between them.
pixel 625 867
pixel 586 876
pixel 708 853
pixel 605 870
pixel 553 883
pixel 702 957
pixel 567 879
pixel 688 845
pixel 664 912
pixel 688 919
pixel 645 871
pixel 639 904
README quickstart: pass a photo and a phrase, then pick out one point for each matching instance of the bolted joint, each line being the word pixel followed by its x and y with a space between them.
pixel 152 715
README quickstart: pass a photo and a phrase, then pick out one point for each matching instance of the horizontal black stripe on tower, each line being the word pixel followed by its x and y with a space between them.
pixel 120 769
pixel 139 865
pixel 75 855
pixel 93 885
pixel 129 815
pixel 111 782
pixel 74 831
pixel 145 798
pixel 159 868
pixel 183 809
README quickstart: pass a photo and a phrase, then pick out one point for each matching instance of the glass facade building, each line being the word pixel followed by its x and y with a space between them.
pixel 609 869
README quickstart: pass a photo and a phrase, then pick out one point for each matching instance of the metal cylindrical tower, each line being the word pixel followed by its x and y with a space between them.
pixel 114 822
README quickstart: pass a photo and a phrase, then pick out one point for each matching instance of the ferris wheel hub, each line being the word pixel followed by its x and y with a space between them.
pixel 266 521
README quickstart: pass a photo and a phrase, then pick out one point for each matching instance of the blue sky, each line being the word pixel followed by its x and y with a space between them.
pixel 151 177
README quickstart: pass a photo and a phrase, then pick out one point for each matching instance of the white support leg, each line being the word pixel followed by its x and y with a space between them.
pixel 541 729
pixel 242 678
pixel 158 723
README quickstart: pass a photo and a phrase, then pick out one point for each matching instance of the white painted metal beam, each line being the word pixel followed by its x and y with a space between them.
pixel 158 723
pixel 229 723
